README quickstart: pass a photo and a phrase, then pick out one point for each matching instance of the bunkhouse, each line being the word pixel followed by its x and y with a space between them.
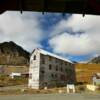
pixel 49 70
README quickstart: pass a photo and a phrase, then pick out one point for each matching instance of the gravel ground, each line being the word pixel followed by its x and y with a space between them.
pixel 52 97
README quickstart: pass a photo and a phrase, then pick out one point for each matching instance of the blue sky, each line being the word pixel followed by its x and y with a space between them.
pixel 71 36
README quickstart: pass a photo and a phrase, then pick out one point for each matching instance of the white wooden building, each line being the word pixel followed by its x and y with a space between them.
pixel 49 70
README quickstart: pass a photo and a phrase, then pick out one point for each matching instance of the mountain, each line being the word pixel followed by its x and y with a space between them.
pixel 12 54
pixel 95 60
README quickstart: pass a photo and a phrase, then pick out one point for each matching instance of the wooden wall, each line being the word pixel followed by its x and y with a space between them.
pixel 84 72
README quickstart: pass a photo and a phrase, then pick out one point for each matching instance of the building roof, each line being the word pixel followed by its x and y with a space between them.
pixel 61 6
pixel 53 55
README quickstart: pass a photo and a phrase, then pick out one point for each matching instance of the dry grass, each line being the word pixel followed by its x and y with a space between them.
pixel 7 81
pixel 79 89
pixel 32 91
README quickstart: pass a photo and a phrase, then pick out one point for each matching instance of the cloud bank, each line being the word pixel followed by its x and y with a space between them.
pixel 65 38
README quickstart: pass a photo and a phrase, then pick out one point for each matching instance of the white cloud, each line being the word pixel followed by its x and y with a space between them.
pixel 71 44
pixel 86 43
pixel 23 29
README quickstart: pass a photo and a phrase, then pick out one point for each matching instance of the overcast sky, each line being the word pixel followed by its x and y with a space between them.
pixel 71 36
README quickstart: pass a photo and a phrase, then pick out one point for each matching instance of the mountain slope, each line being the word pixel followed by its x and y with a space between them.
pixel 12 54
pixel 95 60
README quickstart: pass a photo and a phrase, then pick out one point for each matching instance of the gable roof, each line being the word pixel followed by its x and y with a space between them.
pixel 44 52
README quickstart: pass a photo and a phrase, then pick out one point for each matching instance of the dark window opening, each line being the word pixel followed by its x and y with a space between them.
pixel 50 58
pixel 66 63
pixel 56 68
pixel 56 75
pixel 62 77
pixel 45 84
pixel 52 75
pixel 42 71
pixel 34 57
pixel 61 69
pixel 43 61
pixel 50 67
pixel 66 69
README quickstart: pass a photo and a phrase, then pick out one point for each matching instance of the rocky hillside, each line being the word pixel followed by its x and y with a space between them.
pixel 12 54
pixel 95 60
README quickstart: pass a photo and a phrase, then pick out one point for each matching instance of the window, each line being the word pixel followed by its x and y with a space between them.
pixel 66 69
pixel 52 75
pixel 56 75
pixel 42 71
pixel 45 84
pixel 61 69
pixel 56 68
pixel 62 77
pixel 34 57
pixel 68 64
pixel 50 67
pixel 42 59
pixel 50 58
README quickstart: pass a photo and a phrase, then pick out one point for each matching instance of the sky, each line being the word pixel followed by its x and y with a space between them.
pixel 72 36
